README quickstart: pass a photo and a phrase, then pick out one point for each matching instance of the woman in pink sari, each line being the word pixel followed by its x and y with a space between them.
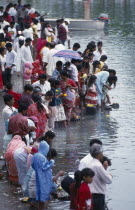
pixel 14 144
pixel 67 86
pixel 40 111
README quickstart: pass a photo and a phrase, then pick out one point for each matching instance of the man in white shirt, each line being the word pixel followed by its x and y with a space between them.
pixel 28 31
pixel 11 60
pixel 26 52
pixel 101 178
pixel 85 162
pixel 43 84
pixel 74 73
pixel 8 109
pixel 3 23
pixel 99 52
pixel 50 60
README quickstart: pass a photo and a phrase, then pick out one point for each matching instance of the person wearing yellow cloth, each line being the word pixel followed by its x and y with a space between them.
pixel 98 66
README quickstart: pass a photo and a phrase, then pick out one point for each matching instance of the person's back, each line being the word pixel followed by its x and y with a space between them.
pixel 85 162
pixel 26 96
pixel 101 178
pixel 51 61
pixel 43 173
pixel 62 33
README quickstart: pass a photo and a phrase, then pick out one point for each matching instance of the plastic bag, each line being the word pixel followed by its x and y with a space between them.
pixel 70 95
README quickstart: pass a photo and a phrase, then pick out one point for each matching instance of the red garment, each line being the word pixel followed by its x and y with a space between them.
pixel 1 80
pixel 78 199
pixel 62 33
pixel 36 71
pixel 8 35
pixel 69 82
pixel 18 125
pixel 91 98
pixel 8 18
pixel 40 44
pixel 13 145
pixel 42 119
pixel 16 97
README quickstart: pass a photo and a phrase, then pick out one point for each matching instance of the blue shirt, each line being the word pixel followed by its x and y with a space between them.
pixel 55 74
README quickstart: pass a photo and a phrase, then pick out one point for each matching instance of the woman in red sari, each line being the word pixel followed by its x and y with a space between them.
pixel 68 99
pixel 40 111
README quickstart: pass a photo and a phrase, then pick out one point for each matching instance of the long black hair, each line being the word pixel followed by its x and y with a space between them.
pixel 95 63
pixel 38 100
pixel 78 176
pixel 91 80
pixel 112 80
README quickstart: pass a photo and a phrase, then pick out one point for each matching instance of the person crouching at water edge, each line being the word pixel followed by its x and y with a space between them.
pixel 101 80
pixel 80 194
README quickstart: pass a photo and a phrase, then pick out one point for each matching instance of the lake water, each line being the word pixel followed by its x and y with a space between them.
pixel 116 128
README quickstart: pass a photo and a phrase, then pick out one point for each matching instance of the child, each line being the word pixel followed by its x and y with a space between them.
pixel 27 72
pixel 111 81
pixel 60 116
pixel 80 195
pixel 91 95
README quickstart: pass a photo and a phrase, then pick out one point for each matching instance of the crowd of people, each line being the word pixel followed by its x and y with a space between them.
pixel 40 90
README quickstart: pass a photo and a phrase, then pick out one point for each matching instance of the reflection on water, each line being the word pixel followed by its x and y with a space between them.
pixel 117 128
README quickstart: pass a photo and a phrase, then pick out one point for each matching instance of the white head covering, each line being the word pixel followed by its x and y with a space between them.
pixel 67 20
pixel 21 38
